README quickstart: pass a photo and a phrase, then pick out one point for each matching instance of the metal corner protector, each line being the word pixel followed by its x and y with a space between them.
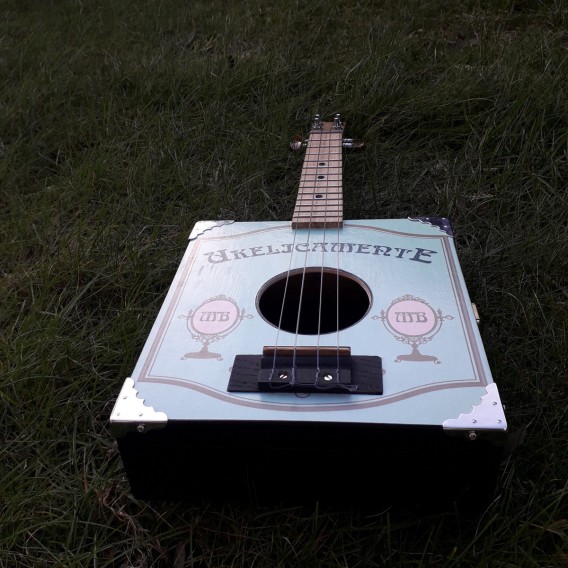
pixel 443 224
pixel 130 413
pixel 202 226
pixel 488 415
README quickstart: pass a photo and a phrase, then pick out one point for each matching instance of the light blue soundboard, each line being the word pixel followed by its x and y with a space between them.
pixel 419 319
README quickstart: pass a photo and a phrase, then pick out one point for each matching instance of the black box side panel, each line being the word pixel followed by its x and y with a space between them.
pixel 299 463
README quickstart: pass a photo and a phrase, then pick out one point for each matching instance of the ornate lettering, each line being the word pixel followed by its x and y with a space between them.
pixel 321 247
pixel 378 249
pixel 239 254
pixel 256 251
pixel 401 251
pixel 342 247
pixel 214 316
pixel 417 255
pixel 423 252
pixel 411 317
pixel 213 258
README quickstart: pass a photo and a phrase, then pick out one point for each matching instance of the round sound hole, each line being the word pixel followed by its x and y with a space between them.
pixel 319 300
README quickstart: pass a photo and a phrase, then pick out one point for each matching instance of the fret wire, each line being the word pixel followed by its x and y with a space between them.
pixel 322 215
pixel 311 194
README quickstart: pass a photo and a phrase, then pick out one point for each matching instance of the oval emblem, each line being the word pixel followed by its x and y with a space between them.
pixel 411 317
pixel 215 316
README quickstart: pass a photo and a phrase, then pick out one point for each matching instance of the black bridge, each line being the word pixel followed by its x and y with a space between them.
pixel 307 370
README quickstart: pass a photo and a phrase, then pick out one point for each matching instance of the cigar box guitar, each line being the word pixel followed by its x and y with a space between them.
pixel 317 359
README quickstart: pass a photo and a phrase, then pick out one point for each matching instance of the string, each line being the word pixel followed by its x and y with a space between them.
pixel 319 129
pixel 281 316
pixel 318 368
pixel 271 376
pixel 338 165
pixel 337 302
pixel 337 277
pixel 331 157
pixel 337 159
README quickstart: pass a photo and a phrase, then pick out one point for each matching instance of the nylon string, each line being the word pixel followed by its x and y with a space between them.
pixel 302 286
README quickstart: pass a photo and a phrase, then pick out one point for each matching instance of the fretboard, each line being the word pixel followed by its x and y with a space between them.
pixel 320 195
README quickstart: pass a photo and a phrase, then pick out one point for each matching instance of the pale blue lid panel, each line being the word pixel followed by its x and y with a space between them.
pixel 420 322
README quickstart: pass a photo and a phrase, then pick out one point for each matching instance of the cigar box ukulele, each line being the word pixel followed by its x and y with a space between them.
pixel 318 359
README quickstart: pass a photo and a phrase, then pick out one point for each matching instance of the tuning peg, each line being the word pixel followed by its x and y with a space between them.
pixel 353 143
pixel 298 143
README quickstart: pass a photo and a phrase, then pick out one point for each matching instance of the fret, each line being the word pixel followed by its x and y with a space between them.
pixel 308 201
pixel 320 196
pixel 331 190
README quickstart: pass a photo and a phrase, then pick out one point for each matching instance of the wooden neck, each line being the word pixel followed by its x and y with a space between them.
pixel 320 196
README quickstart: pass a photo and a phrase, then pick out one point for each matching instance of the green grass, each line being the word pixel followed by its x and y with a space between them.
pixel 123 123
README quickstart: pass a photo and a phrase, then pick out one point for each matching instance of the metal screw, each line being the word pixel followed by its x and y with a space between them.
pixel 472 436
pixel 327 377
pixel 283 375
pixel 140 428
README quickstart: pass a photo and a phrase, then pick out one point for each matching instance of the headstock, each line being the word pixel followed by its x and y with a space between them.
pixel 299 143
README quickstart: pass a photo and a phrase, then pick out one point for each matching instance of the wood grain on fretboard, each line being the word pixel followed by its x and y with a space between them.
pixel 320 195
